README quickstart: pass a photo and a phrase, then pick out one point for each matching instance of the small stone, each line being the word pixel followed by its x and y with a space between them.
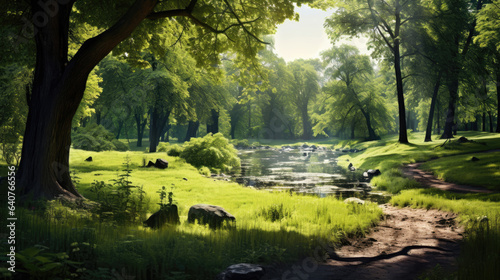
pixel 88 159
pixel 474 159
pixel 185 179
pixel 242 271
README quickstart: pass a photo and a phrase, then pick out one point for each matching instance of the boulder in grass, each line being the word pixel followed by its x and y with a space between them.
pixel 354 200
pixel 212 215
pixel 351 167
pixel 474 159
pixel 88 159
pixel 370 173
pixel 463 140
pixel 167 215
pixel 161 163
pixel 242 271
pixel 150 163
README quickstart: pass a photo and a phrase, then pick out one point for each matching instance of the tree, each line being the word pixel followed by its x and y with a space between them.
pixel 348 67
pixel 386 22
pixel 488 24
pixel 59 81
pixel 304 88
pixel 456 38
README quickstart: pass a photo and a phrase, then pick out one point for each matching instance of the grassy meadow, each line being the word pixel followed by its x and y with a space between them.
pixel 270 227
pixel 74 243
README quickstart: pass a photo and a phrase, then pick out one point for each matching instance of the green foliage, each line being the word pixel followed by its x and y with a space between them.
pixel 205 171
pixel 275 212
pixel 240 144
pixel 174 150
pixel 44 265
pixel 15 84
pixel 393 181
pixel 212 151
pixel 121 202
pixel 96 138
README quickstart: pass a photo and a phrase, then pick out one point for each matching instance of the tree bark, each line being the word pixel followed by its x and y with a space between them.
pixel 213 123
pixel 306 124
pixel 192 130
pixel 428 131
pixel 157 123
pixel 58 88
pixel 491 121
pixel 371 133
pixel 498 97
pixel 403 136
pixel 141 125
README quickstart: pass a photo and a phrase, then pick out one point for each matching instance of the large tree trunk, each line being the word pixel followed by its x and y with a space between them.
pixel 158 121
pixel 498 97
pixel 235 115
pixel 371 133
pixel 306 124
pixel 491 121
pixel 213 122
pixel 192 130
pixel 403 136
pixel 141 125
pixel 428 131
pixel 450 115
pixel 58 89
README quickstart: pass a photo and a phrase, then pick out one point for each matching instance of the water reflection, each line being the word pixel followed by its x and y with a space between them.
pixel 303 172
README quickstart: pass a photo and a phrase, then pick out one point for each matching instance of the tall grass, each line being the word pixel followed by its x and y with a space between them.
pixel 270 227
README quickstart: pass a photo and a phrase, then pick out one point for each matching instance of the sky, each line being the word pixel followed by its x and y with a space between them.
pixel 307 37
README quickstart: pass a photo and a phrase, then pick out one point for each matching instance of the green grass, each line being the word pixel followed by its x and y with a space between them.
pixel 271 227
pixel 484 173
pixel 479 258
pixel 388 155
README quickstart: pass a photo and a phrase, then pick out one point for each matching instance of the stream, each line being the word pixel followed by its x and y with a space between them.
pixel 307 171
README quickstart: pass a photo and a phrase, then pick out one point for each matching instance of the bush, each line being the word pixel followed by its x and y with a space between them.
pixel 204 171
pixel 119 145
pixel 96 138
pixel 240 144
pixel 172 150
pixel 212 151
pixel 393 181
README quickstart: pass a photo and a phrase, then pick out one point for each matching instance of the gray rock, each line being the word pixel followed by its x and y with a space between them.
pixel 242 271
pixel 168 214
pixel 161 163
pixel 354 200
pixel 212 215
pixel 371 173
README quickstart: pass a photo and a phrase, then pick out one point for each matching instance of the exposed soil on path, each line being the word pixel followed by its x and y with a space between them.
pixel 427 179
pixel 405 243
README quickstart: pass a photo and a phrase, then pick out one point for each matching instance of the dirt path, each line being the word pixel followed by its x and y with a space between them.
pixel 429 180
pixel 404 244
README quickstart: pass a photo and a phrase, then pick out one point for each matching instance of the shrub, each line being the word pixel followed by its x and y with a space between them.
pixel 204 171
pixel 119 145
pixel 96 138
pixel 212 151
pixel 175 150
pixel 172 150
pixel 240 144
